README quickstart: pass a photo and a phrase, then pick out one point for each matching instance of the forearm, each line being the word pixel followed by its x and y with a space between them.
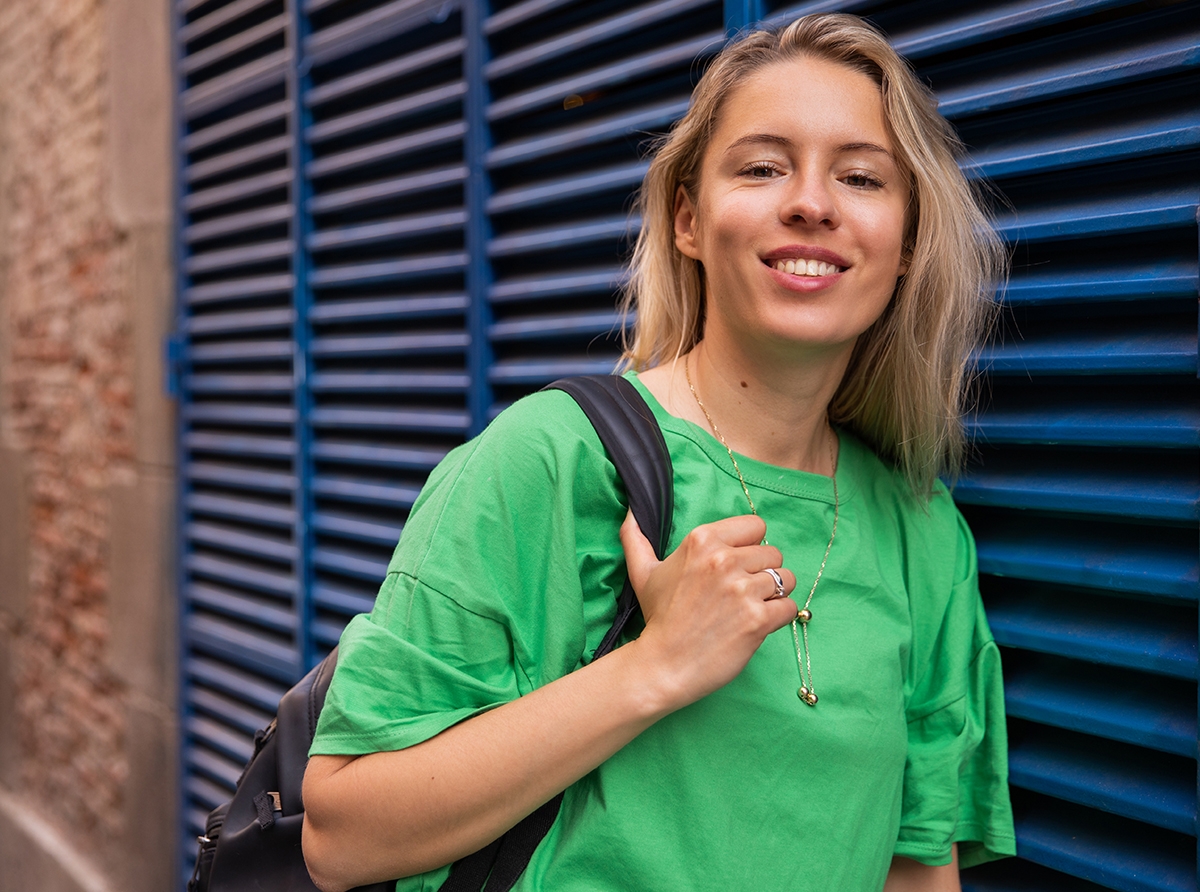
pixel 907 875
pixel 708 608
pixel 392 814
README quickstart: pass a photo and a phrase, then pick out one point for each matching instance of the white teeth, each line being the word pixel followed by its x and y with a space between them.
pixel 806 267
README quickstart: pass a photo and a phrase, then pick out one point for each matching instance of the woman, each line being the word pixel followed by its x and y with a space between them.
pixel 814 702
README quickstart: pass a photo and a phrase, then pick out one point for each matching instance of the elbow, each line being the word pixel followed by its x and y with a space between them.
pixel 321 867
pixel 324 853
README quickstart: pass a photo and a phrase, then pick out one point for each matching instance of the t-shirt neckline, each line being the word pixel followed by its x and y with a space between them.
pixel 759 474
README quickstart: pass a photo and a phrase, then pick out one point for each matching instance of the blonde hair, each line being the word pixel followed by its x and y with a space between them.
pixel 906 386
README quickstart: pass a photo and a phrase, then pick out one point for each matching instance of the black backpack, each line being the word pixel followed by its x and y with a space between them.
pixel 252 842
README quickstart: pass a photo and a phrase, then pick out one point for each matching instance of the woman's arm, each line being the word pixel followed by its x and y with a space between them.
pixel 907 875
pixel 391 814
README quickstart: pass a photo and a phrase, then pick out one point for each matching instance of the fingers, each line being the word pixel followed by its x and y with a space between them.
pixel 640 558
pixel 780 612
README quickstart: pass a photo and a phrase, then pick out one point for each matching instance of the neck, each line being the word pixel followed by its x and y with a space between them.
pixel 766 409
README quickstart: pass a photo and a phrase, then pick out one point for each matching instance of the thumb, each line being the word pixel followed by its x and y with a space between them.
pixel 640 558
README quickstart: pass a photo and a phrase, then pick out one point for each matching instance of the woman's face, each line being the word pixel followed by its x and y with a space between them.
pixel 799 213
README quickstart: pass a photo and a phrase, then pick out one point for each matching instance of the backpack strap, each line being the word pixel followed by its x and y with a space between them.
pixel 635 445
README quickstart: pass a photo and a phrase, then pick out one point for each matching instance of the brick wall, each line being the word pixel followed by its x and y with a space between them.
pixel 86 707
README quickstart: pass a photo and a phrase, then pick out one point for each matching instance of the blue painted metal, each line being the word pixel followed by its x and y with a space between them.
pixel 302 363
pixel 374 26
pixel 239 189
pixel 740 14
pixel 1115 853
pixel 406 106
pixel 783 16
pixel 383 345
pixel 1150 493
pixel 476 57
pixel 1039 80
pixel 1101 774
pixel 388 149
pixel 396 457
pixel 543 287
pixel 1151 562
pixel 395 187
pixel 1072 526
pixel 1077 424
pixel 606 76
pixel 1104 281
pixel 620 177
pixel 390 382
pixel 991 23
pixel 370 233
pixel 1117 141
pixel 1147 639
pixel 240 321
pixel 234 223
pixel 236 84
pixel 410 306
pixel 440 420
pixel 587 37
pixel 237 158
pixel 345 601
pixel 532 241
pixel 419 266
pixel 249 287
pixel 1126 350
pixel 656 118
pixel 1105 703
pixel 554 326
pixel 1144 211
pixel 275 112
pixel 273 27
pixel 409 63
pixel 232 258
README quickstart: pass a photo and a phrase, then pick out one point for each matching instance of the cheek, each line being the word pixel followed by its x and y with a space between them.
pixel 885 233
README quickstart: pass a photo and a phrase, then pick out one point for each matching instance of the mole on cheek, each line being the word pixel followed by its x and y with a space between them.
pixel 743 383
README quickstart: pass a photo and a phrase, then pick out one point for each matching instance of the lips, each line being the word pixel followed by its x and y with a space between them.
pixel 806 260
pixel 802 267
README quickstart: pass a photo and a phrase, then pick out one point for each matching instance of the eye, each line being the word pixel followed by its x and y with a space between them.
pixel 862 180
pixel 759 170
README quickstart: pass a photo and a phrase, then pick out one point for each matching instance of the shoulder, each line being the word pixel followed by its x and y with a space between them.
pixel 548 422
pixel 934 522
pixel 539 436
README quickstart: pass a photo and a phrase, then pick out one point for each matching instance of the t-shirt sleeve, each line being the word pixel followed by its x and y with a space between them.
pixel 956 773
pixel 504 579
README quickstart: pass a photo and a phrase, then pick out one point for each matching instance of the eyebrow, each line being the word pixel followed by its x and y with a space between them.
pixel 774 139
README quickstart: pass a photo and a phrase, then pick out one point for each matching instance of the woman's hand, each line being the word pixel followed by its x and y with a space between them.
pixel 708 606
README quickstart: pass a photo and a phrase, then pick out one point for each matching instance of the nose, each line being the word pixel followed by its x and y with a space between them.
pixel 809 199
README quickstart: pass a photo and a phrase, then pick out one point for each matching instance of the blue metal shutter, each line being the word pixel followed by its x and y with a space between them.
pixel 396 217
pixel 576 90
pixel 241 575
pixel 386 174
pixel 321 339
pixel 1084 496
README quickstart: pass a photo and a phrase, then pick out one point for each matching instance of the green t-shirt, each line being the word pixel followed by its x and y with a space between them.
pixel 506 578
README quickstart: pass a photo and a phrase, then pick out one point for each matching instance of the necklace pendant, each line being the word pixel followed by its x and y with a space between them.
pixel 804 615
pixel 809 697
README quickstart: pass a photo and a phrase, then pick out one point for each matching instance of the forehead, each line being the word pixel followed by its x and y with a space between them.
pixel 814 99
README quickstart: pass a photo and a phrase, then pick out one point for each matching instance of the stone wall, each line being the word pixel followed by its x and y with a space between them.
pixel 87 702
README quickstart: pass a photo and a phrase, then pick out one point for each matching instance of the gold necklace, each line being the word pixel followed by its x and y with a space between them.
pixel 803 617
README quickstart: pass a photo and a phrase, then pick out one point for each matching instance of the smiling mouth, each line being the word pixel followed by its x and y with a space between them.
pixel 802 267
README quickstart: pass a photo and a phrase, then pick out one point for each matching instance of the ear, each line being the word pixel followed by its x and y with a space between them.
pixel 685 224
